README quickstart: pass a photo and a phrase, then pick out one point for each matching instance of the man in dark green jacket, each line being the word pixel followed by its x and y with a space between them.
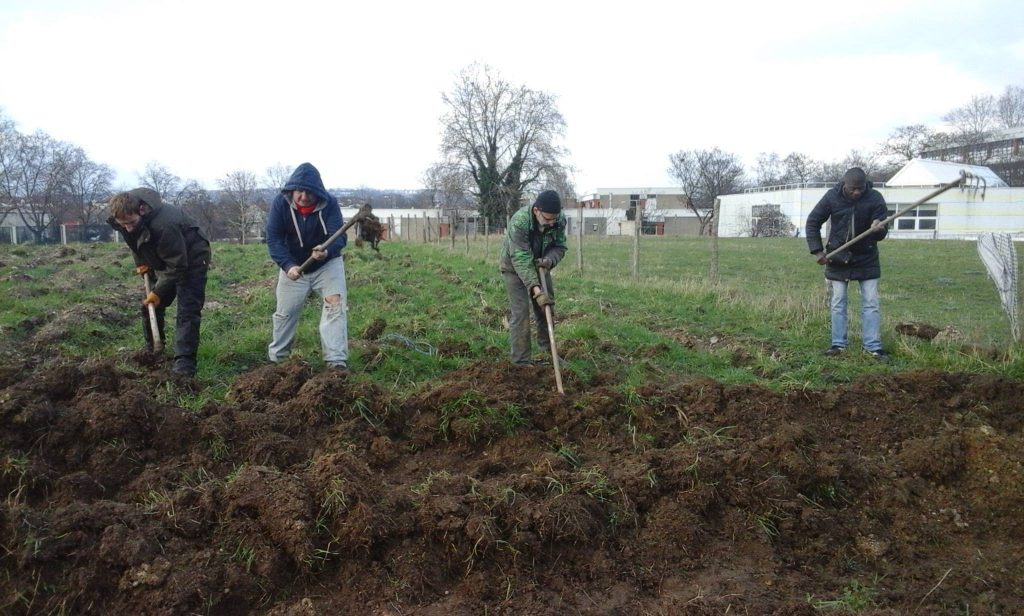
pixel 535 238
pixel 167 242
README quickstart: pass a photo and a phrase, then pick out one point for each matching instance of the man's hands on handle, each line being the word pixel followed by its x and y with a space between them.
pixel 820 257
pixel 152 300
pixel 142 270
pixel 877 225
pixel 542 298
pixel 544 262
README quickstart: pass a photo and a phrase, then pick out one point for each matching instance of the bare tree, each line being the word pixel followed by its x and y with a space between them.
pixel 801 168
pixel 241 195
pixel 908 142
pixel 559 179
pixel 88 186
pixel 159 178
pixel 703 176
pixel 770 170
pixel 833 172
pixel 10 141
pixel 35 170
pixel 196 201
pixel 448 184
pixel 973 121
pixel 769 221
pixel 502 135
pixel 277 175
pixel 1010 107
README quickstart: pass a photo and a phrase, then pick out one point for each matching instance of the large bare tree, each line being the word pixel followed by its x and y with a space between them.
pixel 770 170
pixel 242 196
pixel 704 175
pixel 801 168
pixel 198 203
pixel 908 142
pixel 35 173
pixel 159 178
pixel 503 135
pixel 973 121
pixel 277 176
pixel 1010 107
pixel 88 185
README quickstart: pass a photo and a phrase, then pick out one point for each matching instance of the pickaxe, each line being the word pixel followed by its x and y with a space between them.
pixel 361 214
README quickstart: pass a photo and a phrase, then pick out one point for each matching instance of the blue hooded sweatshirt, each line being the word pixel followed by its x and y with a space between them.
pixel 291 236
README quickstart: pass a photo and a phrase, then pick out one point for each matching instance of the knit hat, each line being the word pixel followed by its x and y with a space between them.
pixel 548 202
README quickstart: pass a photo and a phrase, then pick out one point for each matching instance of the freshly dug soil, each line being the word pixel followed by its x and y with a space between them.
pixel 486 493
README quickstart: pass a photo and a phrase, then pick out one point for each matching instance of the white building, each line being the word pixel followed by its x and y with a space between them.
pixel 955 214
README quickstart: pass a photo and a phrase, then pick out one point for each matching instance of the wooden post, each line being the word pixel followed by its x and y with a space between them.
pixel 467 233
pixel 579 239
pixel 713 274
pixel 452 219
pixel 487 236
pixel 636 242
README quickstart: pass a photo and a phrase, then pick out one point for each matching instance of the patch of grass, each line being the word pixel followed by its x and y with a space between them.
pixel 856 597
pixel 218 448
pixel 15 470
pixel 568 452
pixel 244 555
pixel 670 323
pixel 423 488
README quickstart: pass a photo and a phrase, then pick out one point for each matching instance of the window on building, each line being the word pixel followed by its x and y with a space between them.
pixel 923 218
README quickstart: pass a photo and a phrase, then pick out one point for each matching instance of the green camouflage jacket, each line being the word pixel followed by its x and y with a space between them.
pixel 525 241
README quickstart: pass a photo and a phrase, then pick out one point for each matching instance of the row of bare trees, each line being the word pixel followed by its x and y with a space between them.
pixel 974 122
pixel 706 174
pixel 45 182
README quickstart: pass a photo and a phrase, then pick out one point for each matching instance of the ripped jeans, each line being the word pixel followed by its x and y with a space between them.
pixel 291 295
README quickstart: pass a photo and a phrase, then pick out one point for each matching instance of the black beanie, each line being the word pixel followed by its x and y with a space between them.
pixel 548 202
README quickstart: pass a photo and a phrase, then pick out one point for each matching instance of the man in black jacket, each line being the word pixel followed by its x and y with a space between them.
pixel 852 207
pixel 167 242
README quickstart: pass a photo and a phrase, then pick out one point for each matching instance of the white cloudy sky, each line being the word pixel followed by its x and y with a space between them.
pixel 207 87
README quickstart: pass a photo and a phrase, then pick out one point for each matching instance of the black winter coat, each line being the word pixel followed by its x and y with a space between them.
pixel 167 240
pixel 847 220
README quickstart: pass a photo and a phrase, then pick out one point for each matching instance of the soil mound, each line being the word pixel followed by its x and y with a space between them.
pixel 316 493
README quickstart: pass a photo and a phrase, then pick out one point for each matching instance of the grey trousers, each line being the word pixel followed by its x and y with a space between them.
pixel 291 296
pixel 521 305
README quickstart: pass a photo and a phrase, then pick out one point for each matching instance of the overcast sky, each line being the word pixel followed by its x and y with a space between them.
pixel 206 87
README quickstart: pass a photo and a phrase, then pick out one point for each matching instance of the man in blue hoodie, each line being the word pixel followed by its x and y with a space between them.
pixel 852 207
pixel 301 218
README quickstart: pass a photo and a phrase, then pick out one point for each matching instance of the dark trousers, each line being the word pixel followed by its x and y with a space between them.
pixel 191 295
pixel 521 305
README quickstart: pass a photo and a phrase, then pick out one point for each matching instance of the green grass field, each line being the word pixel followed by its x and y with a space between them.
pixel 764 321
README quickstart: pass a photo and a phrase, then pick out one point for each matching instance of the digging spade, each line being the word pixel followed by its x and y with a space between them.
pixel 550 314
pixel 154 328
pixel 361 214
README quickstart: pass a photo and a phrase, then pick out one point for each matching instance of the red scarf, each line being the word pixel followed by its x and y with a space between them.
pixel 306 211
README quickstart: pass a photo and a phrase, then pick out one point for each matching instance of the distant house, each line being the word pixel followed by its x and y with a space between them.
pixel 955 214
pixel 611 211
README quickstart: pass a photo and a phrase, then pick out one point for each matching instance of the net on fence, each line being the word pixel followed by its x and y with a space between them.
pixel 999 255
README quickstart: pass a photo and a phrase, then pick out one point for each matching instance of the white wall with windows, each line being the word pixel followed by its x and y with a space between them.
pixel 955 214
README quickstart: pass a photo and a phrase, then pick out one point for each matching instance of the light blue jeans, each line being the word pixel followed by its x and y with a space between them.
pixel 870 314
pixel 291 295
